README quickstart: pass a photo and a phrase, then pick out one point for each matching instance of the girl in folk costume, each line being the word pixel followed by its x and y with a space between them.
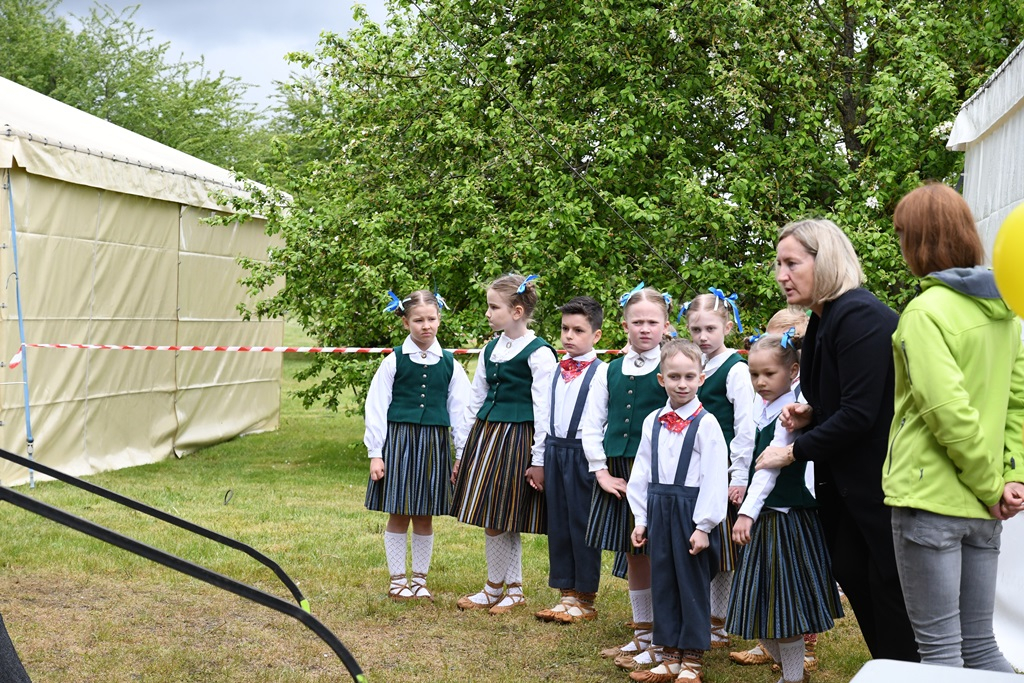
pixel 726 394
pixel 784 586
pixel 499 478
pixel 417 394
pixel 620 398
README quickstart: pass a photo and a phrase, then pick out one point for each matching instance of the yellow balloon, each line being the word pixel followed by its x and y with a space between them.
pixel 1008 260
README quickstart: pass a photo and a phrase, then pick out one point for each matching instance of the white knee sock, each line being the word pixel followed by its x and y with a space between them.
pixel 643 612
pixel 499 551
pixel 394 551
pixel 772 648
pixel 721 587
pixel 792 660
pixel 422 550
pixel 514 572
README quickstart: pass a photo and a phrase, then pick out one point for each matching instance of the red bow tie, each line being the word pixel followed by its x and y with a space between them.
pixel 676 424
pixel 571 368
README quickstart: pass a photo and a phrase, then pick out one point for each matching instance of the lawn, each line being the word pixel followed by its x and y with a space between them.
pixel 82 611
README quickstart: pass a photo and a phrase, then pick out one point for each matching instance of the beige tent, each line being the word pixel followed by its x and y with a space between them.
pixel 112 249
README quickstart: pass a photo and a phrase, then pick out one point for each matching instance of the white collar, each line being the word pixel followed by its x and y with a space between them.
pixel 409 348
pixel 685 410
pixel 590 355
pixel 769 411
pixel 712 364
pixel 651 354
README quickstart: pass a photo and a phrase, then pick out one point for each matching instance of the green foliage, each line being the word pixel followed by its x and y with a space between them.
pixel 113 69
pixel 603 142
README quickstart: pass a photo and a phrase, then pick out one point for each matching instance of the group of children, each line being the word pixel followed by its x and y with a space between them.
pixel 651 455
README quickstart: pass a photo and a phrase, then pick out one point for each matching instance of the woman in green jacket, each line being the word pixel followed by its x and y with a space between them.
pixel 956 453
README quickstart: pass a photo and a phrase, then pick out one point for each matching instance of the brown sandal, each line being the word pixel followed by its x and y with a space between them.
pixel 582 610
pixel 551 613
pixel 516 598
pixel 399 586
pixel 665 672
pixel 418 587
pixel 640 642
pixel 719 636
pixel 751 658
pixel 466 603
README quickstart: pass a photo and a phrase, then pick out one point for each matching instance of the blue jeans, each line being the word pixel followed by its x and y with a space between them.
pixel 947 569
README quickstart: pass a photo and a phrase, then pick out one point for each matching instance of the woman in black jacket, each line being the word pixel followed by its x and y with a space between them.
pixel 846 375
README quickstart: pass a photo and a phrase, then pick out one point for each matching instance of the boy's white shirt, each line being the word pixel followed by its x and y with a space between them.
pixel 763 482
pixel 542 366
pixel 566 395
pixel 595 413
pixel 707 470
pixel 740 393
pixel 378 397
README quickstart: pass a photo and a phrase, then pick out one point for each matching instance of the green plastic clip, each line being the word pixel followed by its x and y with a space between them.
pixel 305 605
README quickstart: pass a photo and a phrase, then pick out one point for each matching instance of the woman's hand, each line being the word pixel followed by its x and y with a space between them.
pixel 376 469
pixel 1011 503
pixel 775 457
pixel 796 416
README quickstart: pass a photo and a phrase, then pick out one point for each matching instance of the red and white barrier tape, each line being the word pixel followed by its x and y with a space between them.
pixel 247 349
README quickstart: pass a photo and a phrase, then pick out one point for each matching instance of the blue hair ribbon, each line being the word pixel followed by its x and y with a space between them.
pixel 529 278
pixel 624 299
pixel 682 311
pixel 754 337
pixel 787 337
pixel 730 300
pixel 441 303
pixel 667 297
pixel 395 305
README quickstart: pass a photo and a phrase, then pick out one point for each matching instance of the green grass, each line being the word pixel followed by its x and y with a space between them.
pixel 79 610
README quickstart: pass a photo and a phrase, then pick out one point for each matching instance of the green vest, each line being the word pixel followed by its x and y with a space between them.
pixel 631 398
pixel 714 399
pixel 509 385
pixel 420 392
pixel 790 489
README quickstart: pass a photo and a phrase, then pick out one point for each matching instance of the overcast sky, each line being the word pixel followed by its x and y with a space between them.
pixel 246 38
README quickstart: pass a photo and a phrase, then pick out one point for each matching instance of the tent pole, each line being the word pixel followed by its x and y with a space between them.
pixel 21 330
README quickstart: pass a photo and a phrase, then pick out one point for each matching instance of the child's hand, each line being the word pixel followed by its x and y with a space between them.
pixel 639 536
pixel 455 471
pixel 376 469
pixel 698 542
pixel 610 484
pixel 736 494
pixel 796 416
pixel 741 530
pixel 535 475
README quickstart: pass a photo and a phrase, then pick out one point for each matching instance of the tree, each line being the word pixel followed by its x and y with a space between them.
pixel 113 69
pixel 604 142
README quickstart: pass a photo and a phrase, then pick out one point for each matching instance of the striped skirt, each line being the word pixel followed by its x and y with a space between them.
pixel 729 552
pixel 611 522
pixel 784 585
pixel 491 490
pixel 417 472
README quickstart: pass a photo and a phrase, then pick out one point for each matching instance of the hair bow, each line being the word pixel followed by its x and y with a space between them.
pixel 787 337
pixel 395 305
pixel 441 303
pixel 731 300
pixel 529 278
pixel 624 299
pixel 754 337
pixel 667 297
pixel 682 311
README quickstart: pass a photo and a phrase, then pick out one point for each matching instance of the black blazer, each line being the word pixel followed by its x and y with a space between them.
pixel 846 373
